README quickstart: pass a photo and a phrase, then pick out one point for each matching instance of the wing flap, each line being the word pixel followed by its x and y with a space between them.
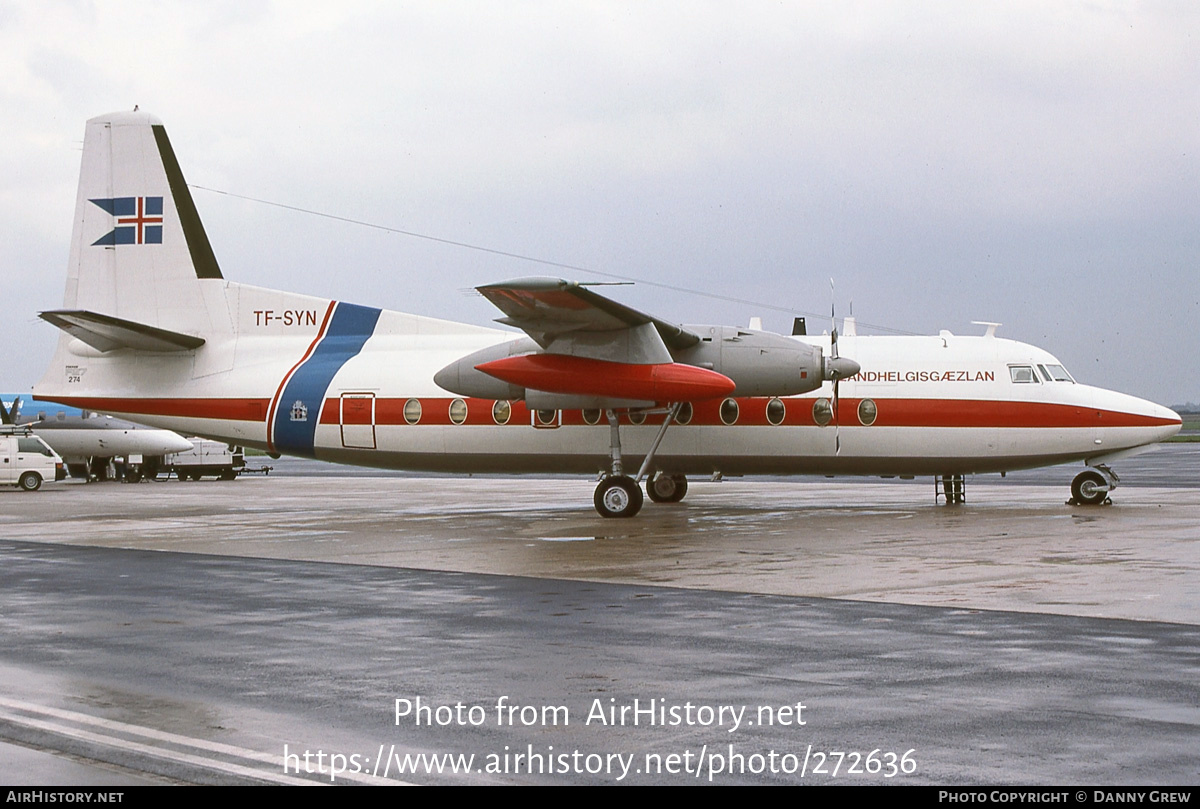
pixel 545 308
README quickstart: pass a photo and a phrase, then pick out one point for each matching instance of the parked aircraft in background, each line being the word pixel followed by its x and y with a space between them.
pixel 89 442
pixel 153 331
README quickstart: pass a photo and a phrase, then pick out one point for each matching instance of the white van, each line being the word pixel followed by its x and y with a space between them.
pixel 26 460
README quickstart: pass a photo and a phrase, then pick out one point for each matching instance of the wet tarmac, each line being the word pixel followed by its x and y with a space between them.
pixel 1014 639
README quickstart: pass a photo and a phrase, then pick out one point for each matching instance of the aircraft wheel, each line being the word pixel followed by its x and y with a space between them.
pixel 30 481
pixel 618 496
pixel 667 488
pixel 1089 488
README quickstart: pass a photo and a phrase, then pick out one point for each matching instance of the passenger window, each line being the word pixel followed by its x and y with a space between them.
pixel 822 412
pixel 1022 374
pixel 776 411
pixel 729 411
pixel 412 411
pixel 867 412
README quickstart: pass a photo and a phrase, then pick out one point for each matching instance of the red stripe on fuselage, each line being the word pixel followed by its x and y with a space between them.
pixel 992 413
pixel 219 409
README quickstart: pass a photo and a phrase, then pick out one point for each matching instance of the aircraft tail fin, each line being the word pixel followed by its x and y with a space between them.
pixel 139 254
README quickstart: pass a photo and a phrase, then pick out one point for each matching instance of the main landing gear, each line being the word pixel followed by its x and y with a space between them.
pixel 619 495
pixel 664 488
pixel 1091 486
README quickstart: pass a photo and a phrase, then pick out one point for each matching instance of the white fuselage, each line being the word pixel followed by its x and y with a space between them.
pixel 349 384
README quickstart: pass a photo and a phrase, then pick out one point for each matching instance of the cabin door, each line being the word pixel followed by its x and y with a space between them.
pixel 357 417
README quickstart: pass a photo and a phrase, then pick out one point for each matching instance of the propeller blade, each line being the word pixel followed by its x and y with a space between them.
pixel 832 322
pixel 837 426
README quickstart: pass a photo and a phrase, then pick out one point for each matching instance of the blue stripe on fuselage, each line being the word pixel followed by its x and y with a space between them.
pixel 304 394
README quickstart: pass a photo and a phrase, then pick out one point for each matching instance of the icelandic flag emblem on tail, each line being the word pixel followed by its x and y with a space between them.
pixel 139 220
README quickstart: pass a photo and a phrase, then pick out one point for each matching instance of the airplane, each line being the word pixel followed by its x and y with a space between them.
pixel 154 332
pixel 88 442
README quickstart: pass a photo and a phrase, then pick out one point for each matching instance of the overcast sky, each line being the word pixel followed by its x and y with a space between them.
pixel 1036 164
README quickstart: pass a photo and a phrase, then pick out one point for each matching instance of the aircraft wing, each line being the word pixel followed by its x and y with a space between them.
pixel 548 309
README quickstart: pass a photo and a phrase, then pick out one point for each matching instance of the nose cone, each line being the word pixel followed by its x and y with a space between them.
pixel 463 378
pixel 1137 421
pixel 448 377
pixel 172 442
pixel 1169 415
pixel 841 368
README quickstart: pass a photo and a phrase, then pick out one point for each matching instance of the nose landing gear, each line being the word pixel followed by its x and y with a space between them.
pixel 1091 487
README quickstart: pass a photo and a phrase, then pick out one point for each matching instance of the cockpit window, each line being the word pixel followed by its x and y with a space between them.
pixel 1057 373
pixel 1022 374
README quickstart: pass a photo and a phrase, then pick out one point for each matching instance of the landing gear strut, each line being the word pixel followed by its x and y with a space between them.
pixel 619 495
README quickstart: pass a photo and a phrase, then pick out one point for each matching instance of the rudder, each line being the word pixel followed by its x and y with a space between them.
pixel 138 250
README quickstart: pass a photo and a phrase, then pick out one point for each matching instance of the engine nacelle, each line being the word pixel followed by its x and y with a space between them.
pixel 463 378
pixel 760 363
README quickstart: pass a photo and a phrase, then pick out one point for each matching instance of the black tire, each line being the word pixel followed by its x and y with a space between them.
pixel 618 496
pixel 30 481
pixel 1089 488
pixel 666 488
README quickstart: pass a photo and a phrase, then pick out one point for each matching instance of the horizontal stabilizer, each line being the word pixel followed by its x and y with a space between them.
pixel 108 333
